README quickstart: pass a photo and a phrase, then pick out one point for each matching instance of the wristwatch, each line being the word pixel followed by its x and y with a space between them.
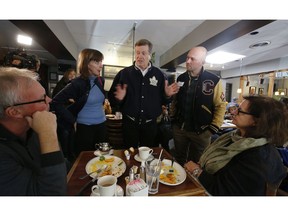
pixel 196 172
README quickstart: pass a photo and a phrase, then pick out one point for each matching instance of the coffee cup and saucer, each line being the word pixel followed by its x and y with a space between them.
pixel 144 154
pixel 107 186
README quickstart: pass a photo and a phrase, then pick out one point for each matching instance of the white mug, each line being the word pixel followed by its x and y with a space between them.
pixel 106 186
pixel 144 152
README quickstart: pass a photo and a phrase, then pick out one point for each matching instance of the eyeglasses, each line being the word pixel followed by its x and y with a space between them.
pixel 31 102
pixel 238 110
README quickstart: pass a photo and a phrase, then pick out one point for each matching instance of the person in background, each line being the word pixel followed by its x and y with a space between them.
pixel 31 162
pixel 231 107
pixel 41 74
pixel 245 161
pixel 67 77
pixel 65 136
pixel 164 129
pixel 197 111
pixel 140 91
pixel 284 153
pixel 284 100
pixel 87 90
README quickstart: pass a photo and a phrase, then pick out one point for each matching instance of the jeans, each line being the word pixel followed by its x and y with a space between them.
pixel 189 145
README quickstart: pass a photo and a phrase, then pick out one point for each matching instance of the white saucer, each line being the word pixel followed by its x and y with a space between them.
pixel 137 158
pixel 120 191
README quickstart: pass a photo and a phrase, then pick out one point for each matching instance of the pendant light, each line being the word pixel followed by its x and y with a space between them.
pixel 239 90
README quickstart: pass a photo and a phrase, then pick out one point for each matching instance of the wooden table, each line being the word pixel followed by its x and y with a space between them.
pixel 188 188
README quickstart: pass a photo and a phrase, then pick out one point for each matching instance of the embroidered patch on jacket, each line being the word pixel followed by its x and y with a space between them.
pixel 222 96
pixel 208 87
pixel 153 81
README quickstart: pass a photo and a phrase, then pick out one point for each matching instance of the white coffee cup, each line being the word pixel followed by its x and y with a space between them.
pixel 144 152
pixel 106 186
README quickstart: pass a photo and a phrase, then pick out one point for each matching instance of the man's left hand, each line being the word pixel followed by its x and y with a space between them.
pixel 172 89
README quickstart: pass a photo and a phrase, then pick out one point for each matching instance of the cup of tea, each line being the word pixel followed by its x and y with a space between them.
pixel 106 186
pixel 144 152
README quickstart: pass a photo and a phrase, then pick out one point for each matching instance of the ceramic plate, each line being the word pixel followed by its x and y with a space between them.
pixel 111 161
pixel 172 176
pixel 137 158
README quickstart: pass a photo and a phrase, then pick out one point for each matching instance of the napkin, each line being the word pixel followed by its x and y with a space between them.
pixel 137 187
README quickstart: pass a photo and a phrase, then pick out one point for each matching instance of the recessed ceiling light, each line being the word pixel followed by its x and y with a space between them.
pixel 24 40
pixel 260 44
pixel 222 57
pixel 254 33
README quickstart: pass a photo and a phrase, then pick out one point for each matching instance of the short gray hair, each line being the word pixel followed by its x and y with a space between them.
pixel 13 82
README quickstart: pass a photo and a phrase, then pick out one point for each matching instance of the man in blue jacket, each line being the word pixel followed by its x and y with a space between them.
pixel 31 162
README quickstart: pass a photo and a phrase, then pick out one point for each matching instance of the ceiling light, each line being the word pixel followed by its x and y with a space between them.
pixel 222 57
pixel 254 33
pixel 24 40
pixel 259 44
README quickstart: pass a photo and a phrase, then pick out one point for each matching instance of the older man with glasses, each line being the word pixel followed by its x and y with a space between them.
pixel 31 162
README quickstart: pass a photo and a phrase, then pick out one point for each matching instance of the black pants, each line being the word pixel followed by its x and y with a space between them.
pixel 66 140
pixel 87 136
pixel 135 134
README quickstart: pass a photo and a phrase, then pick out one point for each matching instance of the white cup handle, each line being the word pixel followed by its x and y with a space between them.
pixel 93 192
pixel 150 151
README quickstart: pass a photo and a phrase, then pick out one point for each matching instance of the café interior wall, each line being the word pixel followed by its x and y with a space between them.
pixel 262 67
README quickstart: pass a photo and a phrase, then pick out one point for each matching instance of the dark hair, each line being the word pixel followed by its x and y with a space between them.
pixel 271 117
pixel 85 56
pixel 144 42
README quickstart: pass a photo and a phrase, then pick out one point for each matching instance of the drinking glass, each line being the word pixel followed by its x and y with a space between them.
pixel 153 169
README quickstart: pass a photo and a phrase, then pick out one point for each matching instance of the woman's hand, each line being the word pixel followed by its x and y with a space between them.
pixel 190 166
pixel 193 168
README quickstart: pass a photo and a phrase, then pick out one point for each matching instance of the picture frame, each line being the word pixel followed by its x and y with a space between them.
pixel 260 91
pixel 53 76
pixel 110 71
pixel 252 90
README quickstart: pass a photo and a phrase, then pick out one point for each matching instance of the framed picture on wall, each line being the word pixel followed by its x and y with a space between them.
pixel 260 91
pixel 53 76
pixel 110 71
pixel 252 90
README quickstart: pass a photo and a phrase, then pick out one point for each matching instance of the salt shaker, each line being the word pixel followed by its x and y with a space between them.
pixel 131 174
pixel 142 171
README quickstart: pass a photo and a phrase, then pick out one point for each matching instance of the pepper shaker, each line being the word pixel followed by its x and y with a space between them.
pixel 131 174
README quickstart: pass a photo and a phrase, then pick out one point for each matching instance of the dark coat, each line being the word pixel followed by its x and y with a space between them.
pixel 247 174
